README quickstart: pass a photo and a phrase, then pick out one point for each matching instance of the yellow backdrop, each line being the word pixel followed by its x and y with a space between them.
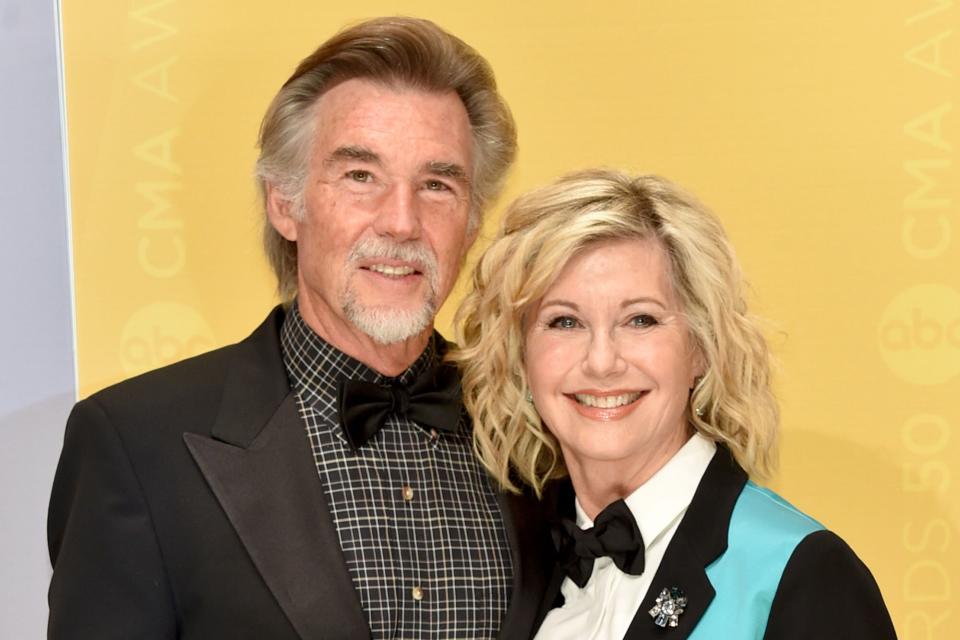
pixel 823 133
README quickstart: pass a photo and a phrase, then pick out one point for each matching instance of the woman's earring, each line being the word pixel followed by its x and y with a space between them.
pixel 529 396
pixel 699 410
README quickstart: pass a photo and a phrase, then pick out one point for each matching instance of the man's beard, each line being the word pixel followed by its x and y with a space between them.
pixel 387 325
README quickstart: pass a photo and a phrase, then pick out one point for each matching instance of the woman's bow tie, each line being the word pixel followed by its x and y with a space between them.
pixel 614 534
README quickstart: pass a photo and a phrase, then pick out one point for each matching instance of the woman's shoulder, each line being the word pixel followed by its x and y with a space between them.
pixel 825 590
pixel 816 577
pixel 763 533
pixel 763 511
pixel 764 519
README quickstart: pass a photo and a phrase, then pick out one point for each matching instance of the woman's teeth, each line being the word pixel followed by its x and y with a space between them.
pixel 606 402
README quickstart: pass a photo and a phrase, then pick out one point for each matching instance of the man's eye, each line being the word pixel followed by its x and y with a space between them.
pixel 643 320
pixel 437 185
pixel 563 322
pixel 360 175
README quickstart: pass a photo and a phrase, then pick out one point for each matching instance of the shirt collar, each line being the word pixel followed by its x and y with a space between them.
pixel 658 502
pixel 315 367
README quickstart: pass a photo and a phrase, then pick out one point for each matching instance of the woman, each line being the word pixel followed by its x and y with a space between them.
pixel 606 338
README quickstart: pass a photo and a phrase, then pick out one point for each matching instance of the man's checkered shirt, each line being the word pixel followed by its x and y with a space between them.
pixel 417 516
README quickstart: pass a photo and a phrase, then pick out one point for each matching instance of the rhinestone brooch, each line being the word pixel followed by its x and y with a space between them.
pixel 670 604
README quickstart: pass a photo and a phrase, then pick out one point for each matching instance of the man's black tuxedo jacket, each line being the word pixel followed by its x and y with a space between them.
pixel 187 504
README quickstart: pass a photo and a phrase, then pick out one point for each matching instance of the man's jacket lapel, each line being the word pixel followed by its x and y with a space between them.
pixel 259 464
pixel 558 502
pixel 533 560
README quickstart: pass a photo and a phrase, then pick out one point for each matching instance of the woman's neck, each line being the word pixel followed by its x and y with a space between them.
pixel 598 483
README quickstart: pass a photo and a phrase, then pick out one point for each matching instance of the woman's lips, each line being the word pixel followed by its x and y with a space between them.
pixel 605 406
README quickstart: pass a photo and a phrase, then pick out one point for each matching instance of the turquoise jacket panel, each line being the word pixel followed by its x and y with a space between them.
pixel 764 531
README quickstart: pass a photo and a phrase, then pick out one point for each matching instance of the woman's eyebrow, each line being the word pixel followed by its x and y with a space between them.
pixel 642 300
pixel 560 303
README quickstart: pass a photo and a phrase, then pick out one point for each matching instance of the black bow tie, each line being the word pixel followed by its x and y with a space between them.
pixel 432 401
pixel 614 534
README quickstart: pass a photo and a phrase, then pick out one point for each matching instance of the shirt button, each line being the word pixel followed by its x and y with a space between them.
pixel 417 593
pixel 434 436
pixel 408 495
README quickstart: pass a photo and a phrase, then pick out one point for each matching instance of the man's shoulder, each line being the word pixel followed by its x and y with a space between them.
pixel 190 377
pixel 195 385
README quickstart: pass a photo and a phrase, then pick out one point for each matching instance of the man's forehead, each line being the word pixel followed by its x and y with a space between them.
pixel 359 98
pixel 368 121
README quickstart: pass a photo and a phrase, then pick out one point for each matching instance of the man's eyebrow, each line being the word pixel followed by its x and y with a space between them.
pixel 447 170
pixel 353 152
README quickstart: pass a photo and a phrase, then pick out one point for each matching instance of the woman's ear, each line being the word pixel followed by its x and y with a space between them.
pixel 699 368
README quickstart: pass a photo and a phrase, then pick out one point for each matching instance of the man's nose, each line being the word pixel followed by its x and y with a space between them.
pixel 399 214
pixel 603 356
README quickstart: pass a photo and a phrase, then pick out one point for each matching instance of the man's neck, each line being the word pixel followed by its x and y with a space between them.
pixel 387 359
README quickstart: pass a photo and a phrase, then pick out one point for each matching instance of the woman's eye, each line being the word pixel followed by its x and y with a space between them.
pixel 360 175
pixel 643 320
pixel 563 322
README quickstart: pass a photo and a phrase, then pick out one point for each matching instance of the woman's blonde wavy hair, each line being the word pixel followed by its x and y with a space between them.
pixel 539 233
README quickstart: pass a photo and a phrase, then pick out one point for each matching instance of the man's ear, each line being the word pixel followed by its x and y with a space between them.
pixel 280 212
pixel 472 235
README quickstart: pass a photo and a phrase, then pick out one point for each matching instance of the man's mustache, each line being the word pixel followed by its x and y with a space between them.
pixel 413 253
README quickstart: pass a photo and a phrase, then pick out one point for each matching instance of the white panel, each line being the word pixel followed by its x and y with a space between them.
pixel 37 369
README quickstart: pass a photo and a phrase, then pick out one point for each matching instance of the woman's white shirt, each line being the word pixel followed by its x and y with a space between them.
pixel 605 607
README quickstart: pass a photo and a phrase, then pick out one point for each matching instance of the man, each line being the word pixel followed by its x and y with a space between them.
pixel 268 489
